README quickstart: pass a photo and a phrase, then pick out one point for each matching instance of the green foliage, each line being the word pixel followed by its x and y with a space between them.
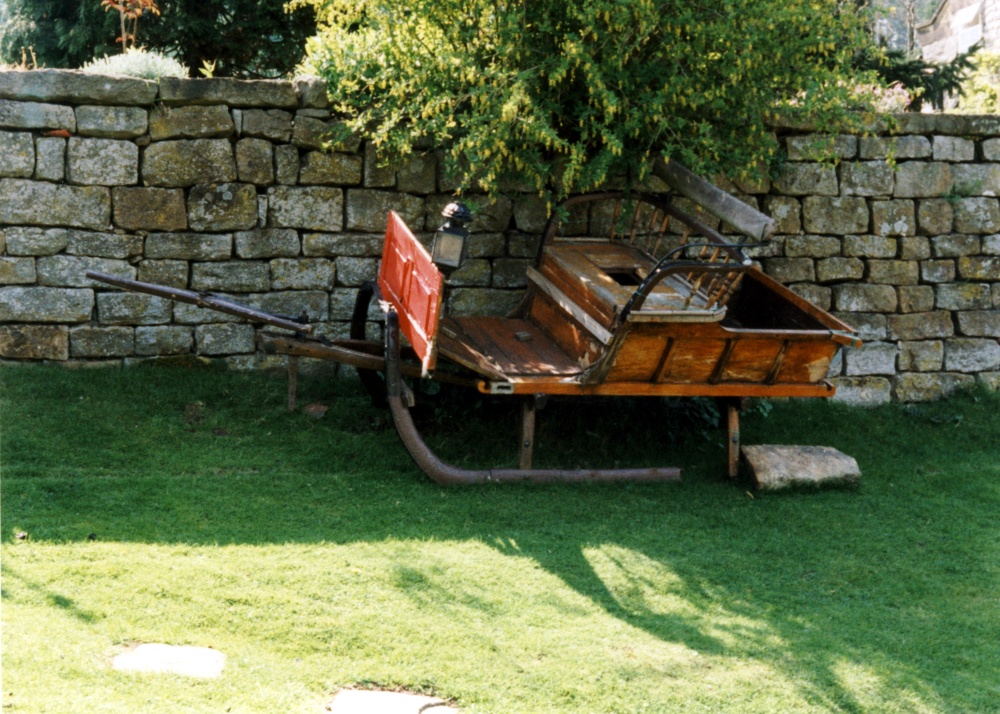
pixel 928 82
pixel 584 90
pixel 137 63
pixel 981 88
pixel 245 38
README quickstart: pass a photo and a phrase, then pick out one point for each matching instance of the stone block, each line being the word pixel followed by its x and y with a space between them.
pixel 806 179
pixel 937 271
pixel 330 169
pixel 41 203
pixel 899 148
pixel 964 296
pixel 872 358
pixel 186 314
pixel 472 273
pixel 111 122
pixel 104 245
pixel 267 243
pixel 819 296
pixel 255 161
pixel 23 240
pixel 232 276
pixel 302 274
pixel 954 246
pixel 333 245
pixel 866 178
pixel 991 150
pixel 50 158
pixel 32 115
pixel 286 165
pixel 991 245
pixel 313 133
pixel 979 323
pixel 44 304
pixel 342 305
pixel 480 301
pixel 531 214
pixel 71 270
pixel 893 272
pixel 862 391
pixel 34 342
pixel 839 216
pixel 977 179
pixel 17 271
pixel 224 338
pixel 924 356
pixel 163 340
pixel 914 248
pixel 188 162
pixel 189 246
pixel 318 208
pixel 953 148
pixel 819 147
pixel 492 245
pixel 774 468
pixel 193 122
pixel 928 387
pixel 270 124
pixel 920 179
pixel 870 326
pixel 977 215
pixel 934 216
pixel 315 303
pixel 379 173
pixel 223 90
pixel 121 308
pixel 916 298
pixel 791 270
pixel 18 151
pixel 979 268
pixel 164 272
pixel 989 380
pixel 921 326
pixel 510 272
pixel 311 92
pixel 222 207
pixel 355 271
pixel 786 212
pixel 854 297
pixel 869 246
pixel 367 210
pixel 418 174
pixel 833 270
pixel 75 87
pixel 893 218
pixel 969 354
pixel 102 162
pixel 149 209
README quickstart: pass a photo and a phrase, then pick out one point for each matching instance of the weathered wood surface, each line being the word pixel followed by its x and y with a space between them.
pixel 773 468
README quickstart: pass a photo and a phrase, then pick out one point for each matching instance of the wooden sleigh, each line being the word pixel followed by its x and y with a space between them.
pixel 628 296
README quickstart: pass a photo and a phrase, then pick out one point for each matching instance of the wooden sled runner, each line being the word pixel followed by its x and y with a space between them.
pixel 628 296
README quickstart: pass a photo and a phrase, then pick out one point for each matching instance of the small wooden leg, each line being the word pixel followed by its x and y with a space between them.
pixel 733 438
pixel 293 381
pixel 527 446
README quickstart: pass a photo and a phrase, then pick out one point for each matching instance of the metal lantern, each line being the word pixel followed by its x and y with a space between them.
pixel 448 250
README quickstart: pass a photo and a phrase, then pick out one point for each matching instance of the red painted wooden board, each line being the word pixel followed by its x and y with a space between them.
pixel 413 285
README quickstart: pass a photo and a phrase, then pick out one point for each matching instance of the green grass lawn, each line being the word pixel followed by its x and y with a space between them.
pixel 189 507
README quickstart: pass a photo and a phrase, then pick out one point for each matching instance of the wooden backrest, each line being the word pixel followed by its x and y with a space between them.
pixel 414 286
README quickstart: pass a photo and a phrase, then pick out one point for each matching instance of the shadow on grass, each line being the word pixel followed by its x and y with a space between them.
pixel 890 583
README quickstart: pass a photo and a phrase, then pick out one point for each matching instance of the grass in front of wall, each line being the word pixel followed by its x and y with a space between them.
pixel 188 507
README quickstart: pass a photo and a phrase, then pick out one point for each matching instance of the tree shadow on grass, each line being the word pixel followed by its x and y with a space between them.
pixel 861 597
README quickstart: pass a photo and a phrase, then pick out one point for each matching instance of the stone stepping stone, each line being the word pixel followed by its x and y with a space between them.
pixel 773 468
pixel 366 701
pixel 172 659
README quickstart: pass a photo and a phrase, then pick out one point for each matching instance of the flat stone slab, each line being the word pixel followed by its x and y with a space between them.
pixel 773 467
pixel 172 659
pixel 365 701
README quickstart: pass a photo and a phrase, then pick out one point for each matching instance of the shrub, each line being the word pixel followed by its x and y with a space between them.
pixel 137 63
pixel 981 88
pixel 587 89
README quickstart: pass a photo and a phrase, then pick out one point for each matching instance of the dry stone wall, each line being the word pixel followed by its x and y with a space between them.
pixel 224 186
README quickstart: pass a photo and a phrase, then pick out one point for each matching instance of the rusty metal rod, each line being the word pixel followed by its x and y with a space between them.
pixel 447 474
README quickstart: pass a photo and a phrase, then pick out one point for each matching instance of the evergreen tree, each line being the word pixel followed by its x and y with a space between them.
pixel 244 38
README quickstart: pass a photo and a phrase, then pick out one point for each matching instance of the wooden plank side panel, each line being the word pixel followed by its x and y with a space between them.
pixel 693 360
pixel 639 358
pixel 413 285
pixel 564 331
pixel 751 360
pixel 806 362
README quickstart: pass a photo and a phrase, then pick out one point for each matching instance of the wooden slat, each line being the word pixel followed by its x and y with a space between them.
pixel 514 347
pixel 570 387
pixel 562 300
